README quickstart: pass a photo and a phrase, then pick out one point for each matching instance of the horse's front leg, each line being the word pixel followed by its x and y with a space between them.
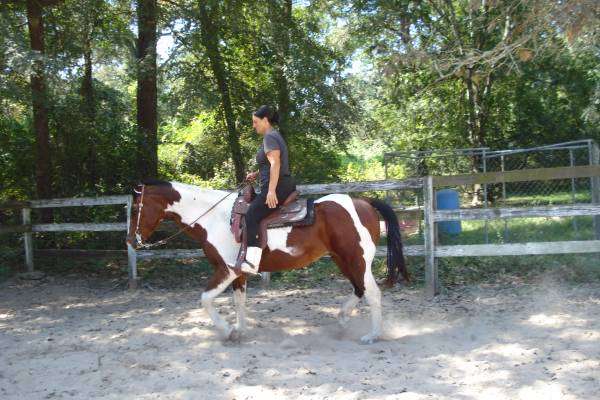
pixel 222 278
pixel 239 299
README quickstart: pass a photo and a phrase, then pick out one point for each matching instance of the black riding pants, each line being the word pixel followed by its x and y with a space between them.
pixel 259 208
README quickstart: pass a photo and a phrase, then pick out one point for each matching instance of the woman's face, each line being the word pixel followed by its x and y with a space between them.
pixel 260 125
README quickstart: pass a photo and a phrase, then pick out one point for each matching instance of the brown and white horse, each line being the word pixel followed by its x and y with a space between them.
pixel 346 228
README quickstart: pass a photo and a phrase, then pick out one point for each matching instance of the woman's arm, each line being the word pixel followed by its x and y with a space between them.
pixel 274 157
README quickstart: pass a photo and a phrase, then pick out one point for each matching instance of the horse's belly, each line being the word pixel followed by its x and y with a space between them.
pixel 290 248
pixel 280 261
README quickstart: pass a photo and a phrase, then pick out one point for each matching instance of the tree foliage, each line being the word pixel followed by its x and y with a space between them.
pixel 352 80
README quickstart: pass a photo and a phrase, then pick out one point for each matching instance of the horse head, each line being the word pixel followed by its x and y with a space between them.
pixel 149 208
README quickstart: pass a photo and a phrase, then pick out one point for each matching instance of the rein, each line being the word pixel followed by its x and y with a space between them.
pixel 138 236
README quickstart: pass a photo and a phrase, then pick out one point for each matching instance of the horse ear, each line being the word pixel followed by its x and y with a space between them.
pixel 136 191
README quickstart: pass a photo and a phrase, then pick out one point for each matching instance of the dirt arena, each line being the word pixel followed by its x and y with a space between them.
pixel 71 339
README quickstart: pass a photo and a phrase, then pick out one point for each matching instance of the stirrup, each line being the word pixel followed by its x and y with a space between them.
pixel 246 268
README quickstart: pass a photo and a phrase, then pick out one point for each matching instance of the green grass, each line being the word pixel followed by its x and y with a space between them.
pixel 4 273
pixel 530 200
pixel 521 230
pixel 11 260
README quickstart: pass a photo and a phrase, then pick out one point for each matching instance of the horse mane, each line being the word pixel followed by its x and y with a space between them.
pixel 156 182
pixel 167 188
pixel 150 182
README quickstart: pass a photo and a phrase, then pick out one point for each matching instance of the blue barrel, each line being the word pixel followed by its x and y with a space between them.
pixel 447 199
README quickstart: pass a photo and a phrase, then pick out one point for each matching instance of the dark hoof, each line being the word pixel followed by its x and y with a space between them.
pixel 235 336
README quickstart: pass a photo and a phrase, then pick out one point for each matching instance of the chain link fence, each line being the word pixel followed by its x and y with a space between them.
pixel 514 194
pixel 540 192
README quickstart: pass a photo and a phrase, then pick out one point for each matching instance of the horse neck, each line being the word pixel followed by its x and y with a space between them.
pixel 196 201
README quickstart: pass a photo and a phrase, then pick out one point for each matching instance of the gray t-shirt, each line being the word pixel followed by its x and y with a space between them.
pixel 272 141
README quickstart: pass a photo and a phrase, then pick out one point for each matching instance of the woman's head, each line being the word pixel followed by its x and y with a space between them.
pixel 264 118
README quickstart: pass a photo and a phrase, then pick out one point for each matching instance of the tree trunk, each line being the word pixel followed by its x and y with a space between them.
pixel 147 122
pixel 39 101
pixel 477 95
pixel 210 38
pixel 89 112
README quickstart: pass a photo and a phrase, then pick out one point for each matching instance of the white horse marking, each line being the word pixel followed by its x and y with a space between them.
pixel 239 298
pixel 194 201
pixel 277 239
pixel 366 242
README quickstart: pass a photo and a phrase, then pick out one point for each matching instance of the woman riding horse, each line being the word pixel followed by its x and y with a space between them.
pixel 276 182
pixel 345 228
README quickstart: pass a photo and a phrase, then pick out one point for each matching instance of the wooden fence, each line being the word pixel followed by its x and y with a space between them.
pixel 28 229
pixel 431 216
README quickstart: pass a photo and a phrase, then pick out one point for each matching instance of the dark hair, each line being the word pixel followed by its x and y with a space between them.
pixel 269 112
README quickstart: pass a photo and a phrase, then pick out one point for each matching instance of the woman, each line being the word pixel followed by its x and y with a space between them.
pixel 276 183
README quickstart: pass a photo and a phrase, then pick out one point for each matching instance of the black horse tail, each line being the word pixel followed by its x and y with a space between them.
pixel 395 256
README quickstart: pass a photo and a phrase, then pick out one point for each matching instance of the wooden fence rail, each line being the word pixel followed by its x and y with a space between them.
pixel 430 248
pixel 571 210
pixel 524 175
pixel 356 187
pixel 27 228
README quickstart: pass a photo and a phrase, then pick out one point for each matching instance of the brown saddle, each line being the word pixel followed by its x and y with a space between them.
pixel 292 212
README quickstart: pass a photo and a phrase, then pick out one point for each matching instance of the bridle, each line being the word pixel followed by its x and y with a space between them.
pixel 138 235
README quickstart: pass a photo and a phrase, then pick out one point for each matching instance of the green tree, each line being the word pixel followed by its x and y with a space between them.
pixel 437 64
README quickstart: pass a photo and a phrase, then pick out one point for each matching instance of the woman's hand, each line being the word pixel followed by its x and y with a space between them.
pixel 251 177
pixel 271 199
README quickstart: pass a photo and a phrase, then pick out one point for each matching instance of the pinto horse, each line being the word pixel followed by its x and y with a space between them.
pixel 345 228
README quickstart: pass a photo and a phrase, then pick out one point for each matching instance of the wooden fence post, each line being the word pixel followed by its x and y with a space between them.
pixel 266 278
pixel 431 271
pixel 132 267
pixel 131 254
pixel 28 239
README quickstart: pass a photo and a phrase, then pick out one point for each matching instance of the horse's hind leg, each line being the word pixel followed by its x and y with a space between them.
pixel 351 302
pixel 347 308
pixel 220 280
pixel 358 271
pixel 373 295
pixel 239 298
pixel 357 268
pixel 357 251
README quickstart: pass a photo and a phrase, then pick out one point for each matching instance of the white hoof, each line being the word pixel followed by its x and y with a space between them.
pixel 370 338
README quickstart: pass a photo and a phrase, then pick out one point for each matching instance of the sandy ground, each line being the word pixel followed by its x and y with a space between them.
pixel 67 339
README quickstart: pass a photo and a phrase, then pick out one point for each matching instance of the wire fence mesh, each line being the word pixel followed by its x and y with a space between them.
pixel 513 194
